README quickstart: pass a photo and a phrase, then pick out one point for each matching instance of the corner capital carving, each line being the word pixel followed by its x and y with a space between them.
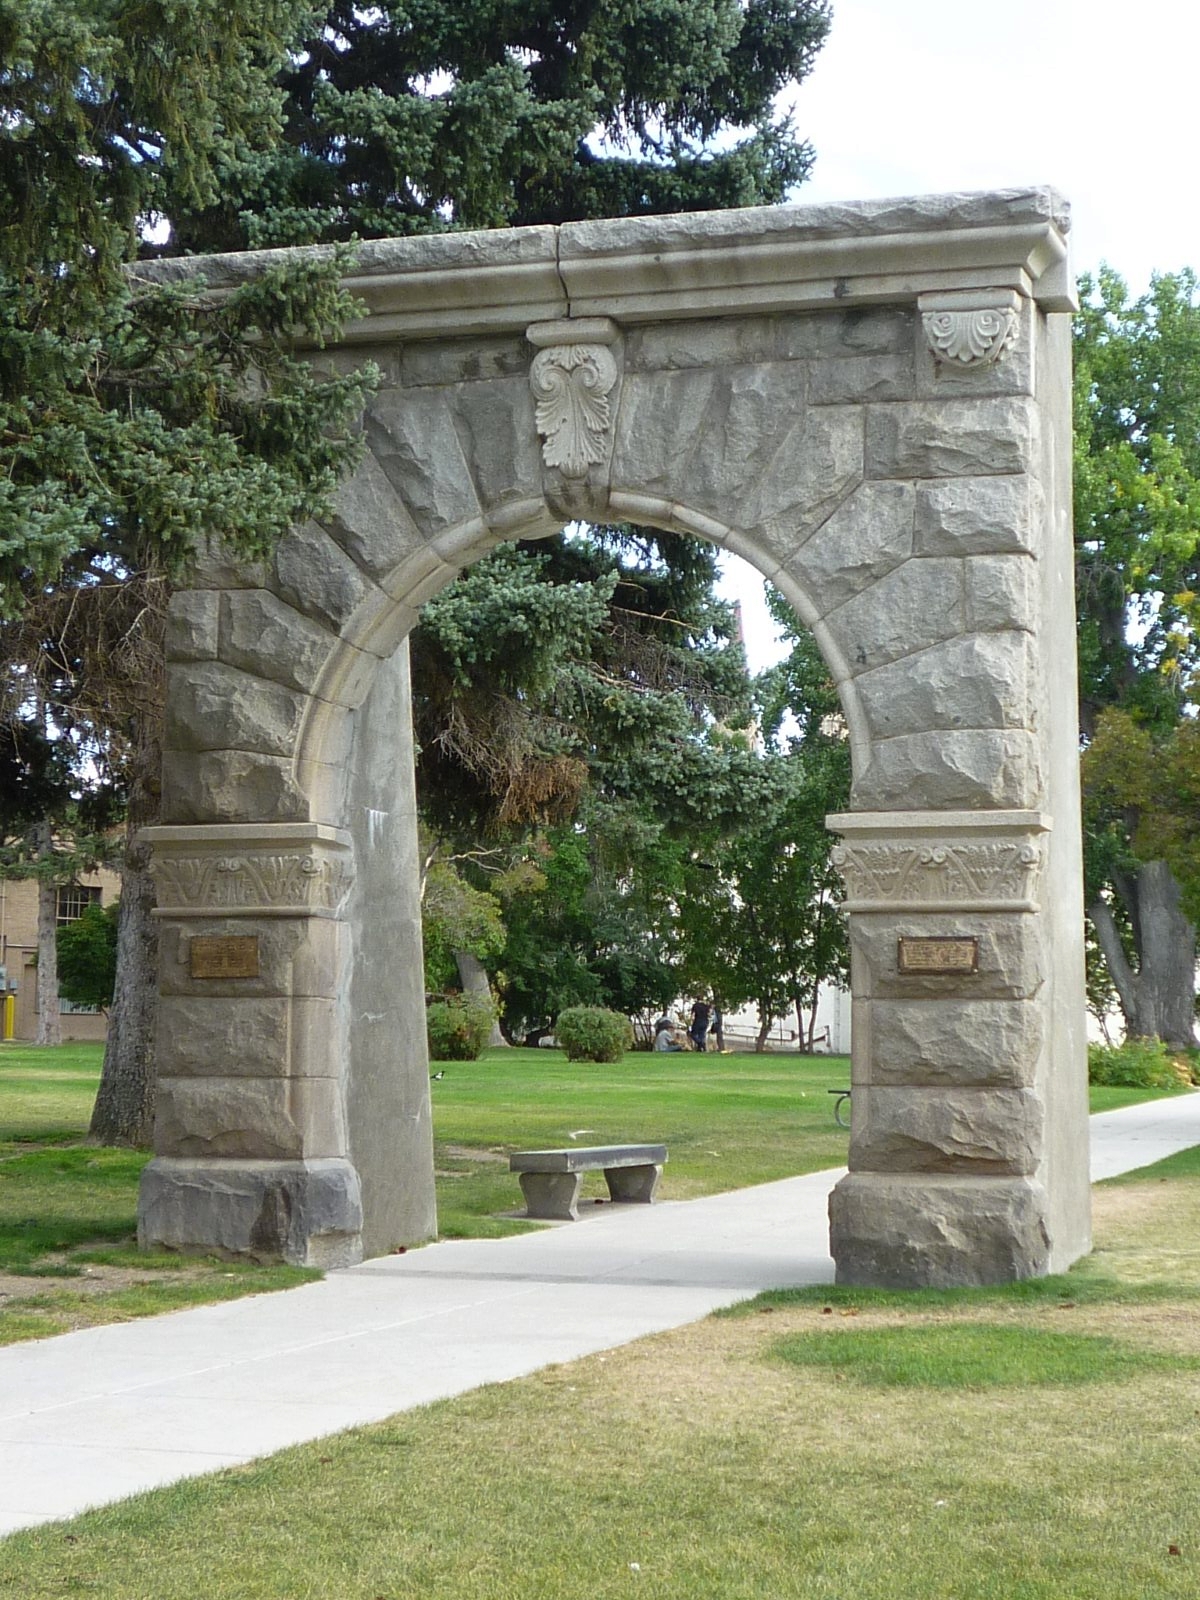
pixel 572 376
pixel 967 331
pixel 959 861
pixel 279 870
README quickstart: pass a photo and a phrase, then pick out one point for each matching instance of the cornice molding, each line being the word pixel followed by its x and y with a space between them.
pixel 763 259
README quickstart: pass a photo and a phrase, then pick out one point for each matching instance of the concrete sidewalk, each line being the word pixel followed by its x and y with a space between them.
pixel 93 1416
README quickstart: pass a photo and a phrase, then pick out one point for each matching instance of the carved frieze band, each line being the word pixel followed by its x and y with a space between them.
pixel 572 377
pixel 304 876
pixel 964 332
pixel 999 869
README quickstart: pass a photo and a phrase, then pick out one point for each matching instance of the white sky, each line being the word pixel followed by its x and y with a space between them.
pixel 1100 99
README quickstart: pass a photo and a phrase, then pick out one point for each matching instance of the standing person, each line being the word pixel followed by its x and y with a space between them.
pixel 718 1028
pixel 698 1030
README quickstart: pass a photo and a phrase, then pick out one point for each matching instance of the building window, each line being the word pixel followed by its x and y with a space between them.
pixel 74 899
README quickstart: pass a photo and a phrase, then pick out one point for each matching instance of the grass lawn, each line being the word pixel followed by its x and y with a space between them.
pixel 1026 1443
pixel 68 1256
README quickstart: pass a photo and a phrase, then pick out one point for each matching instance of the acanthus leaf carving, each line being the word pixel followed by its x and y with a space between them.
pixel 571 384
pixel 976 336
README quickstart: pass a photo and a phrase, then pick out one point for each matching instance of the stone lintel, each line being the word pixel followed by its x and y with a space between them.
pixel 280 869
pixel 647 269
pixel 940 861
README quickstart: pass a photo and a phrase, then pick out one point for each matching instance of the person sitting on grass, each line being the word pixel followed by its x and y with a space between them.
pixel 664 1034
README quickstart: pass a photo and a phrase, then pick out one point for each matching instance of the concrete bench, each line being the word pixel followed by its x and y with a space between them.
pixel 550 1179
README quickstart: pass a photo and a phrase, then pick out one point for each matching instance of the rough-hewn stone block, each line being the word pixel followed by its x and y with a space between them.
pixel 660 420
pixel 861 330
pixel 306 1212
pixel 1000 592
pixel 972 681
pixel 413 437
pixel 727 343
pixel 227 1036
pixel 810 471
pixel 245 1117
pixel 435 365
pixel 297 957
pixel 864 539
pixel 1012 958
pixel 371 522
pixel 264 636
pixel 191 632
pixel 962 770
pixel 978 516
pixel 318 578
pixel 500 439
pixel 857 380
pixel 975 1043
pixel 199 1035
pixel 950 439
pixel 937 1233
pixel 249 1118
pixel 910 608
pixel 211 706
pixel 903 1129
pixel 229 786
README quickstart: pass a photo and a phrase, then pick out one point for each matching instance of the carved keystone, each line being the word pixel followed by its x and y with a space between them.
pixel 572 377
pixel 970 330
pixel 282 869
pixel 940 860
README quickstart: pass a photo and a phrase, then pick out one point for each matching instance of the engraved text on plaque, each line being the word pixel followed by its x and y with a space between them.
pixel 230 956
pixel 938 955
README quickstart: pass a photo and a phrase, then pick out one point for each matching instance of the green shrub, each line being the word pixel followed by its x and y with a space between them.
pixel 589 1033
pixel 458 1026
pixel 1136 1064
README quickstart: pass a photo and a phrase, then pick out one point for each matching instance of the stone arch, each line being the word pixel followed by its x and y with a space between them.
pixel 871 404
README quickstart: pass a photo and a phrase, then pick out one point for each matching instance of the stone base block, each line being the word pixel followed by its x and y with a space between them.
pixel 633 1184
pixel 308 1213
pixel 553 1196
pixel 896 1232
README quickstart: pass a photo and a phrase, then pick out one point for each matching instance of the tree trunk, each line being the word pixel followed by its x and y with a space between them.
pixel 124 1110
pixel 764 1028
pixel 1158 998
pixel 803 1031
pixel 472 974
pixel 49 1017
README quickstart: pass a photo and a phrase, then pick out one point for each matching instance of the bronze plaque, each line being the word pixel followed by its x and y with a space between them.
pixel 224 956
pixel 935 956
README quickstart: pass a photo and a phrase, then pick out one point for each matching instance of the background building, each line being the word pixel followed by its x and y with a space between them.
pixel 18 951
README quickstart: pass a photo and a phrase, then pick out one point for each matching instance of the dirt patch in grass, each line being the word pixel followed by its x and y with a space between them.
pixel 466 1152
pixel 87 1280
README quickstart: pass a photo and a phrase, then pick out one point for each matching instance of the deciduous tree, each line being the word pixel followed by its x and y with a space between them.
pixel 1137 523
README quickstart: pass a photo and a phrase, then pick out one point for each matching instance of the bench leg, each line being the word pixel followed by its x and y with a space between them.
pixel 551 1195
pixel 633 1183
